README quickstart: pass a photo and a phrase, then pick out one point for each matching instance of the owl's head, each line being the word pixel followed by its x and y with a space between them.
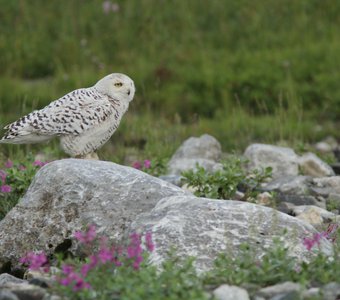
pixel 117 85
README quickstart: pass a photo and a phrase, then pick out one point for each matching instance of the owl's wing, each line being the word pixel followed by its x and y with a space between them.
pixel 74 113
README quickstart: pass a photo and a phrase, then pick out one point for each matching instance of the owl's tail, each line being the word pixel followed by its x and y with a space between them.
pixel 22 137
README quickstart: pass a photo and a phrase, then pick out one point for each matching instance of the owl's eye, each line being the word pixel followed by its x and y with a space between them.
pixel 118 84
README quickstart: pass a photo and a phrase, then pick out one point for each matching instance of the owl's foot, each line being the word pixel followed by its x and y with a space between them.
pixel 93 156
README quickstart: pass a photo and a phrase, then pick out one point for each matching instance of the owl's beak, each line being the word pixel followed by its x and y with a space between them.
pixel 129 92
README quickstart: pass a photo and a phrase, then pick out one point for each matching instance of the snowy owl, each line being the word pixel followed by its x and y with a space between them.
pixel 84 119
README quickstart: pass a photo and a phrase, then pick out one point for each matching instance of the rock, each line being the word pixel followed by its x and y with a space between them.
pixel 68 195
pixel 282 160
pixel 174 179
pixel 264 199
pixel 300 200
pixel 205 146
pixel 293 295
pixel 203 228
pixel 205 151
pixel 180 165
pixel 286 208
pixel 328 184
pixel 312 293
pixel 331 291
pixel 336 168
pixel 327 145
pixel 7 295
pixel 313 215
pixel 7 278
pixel 24 291
pixel 323 147
pixel 297 185
pixel 230 292
pixel 312 165
pixel 281 288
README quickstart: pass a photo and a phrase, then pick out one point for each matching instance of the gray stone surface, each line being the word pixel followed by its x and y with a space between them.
pixel 283 161
pixel 281 288
pixel 68 195
pixel 204 228
pixel 230 292
pixel 327 184
pixel 313 214
pixel 6 278
pixel 312 165
pixel 24 291
pixel 331 291
pixel 300 199
pixel 7 295
pixel 205 151
pixel 297 185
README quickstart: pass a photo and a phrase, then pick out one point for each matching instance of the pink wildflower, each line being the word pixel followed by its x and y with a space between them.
pixel 8 164
pixel 3 176
pixel 148 242
pixel 108 7
pixel 22 168
pixel 86 237
pixel 310 242
pixel 39 163
pixel 105 255
pixel 134 250
pixel 137 165
pixel 5 188
pixel 147 164
pixel 73 278
pixel 81 284
pixel 36 261
pixel 85 269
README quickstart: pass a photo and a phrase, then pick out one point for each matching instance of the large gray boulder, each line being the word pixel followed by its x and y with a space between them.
pixel 205 151
pixel 203 228
pixel 282 160
pixel 68 195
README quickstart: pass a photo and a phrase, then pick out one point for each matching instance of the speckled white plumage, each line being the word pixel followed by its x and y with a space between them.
pixel 84 119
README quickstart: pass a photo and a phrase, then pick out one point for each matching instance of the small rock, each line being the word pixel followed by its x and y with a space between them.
pixel 280 288
pixel 313 215
pixel 297 185
pixel 331 291
pixel 205 151
pixel 300 200
pixel 176 167
pixel 206 146
pixel 174 179
pixel 264 199
pixel 312 165
pixel 282 160
pixel 286 208
pixel 323 147
pixel 7 295
pixel 312 293
pixel 25 291
pixel 230 292
pixel 7 278
pixel 293 295
pixel 239 196
pixel 331 183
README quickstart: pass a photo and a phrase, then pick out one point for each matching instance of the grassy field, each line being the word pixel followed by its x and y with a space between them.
pixel 243 71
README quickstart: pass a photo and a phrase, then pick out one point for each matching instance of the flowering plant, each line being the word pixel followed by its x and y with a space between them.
pixel 15 179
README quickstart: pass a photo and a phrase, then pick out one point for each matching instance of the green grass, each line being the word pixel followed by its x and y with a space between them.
pixel 243 71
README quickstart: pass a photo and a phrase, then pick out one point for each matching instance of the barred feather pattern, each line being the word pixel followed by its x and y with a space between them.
pixel 83 119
